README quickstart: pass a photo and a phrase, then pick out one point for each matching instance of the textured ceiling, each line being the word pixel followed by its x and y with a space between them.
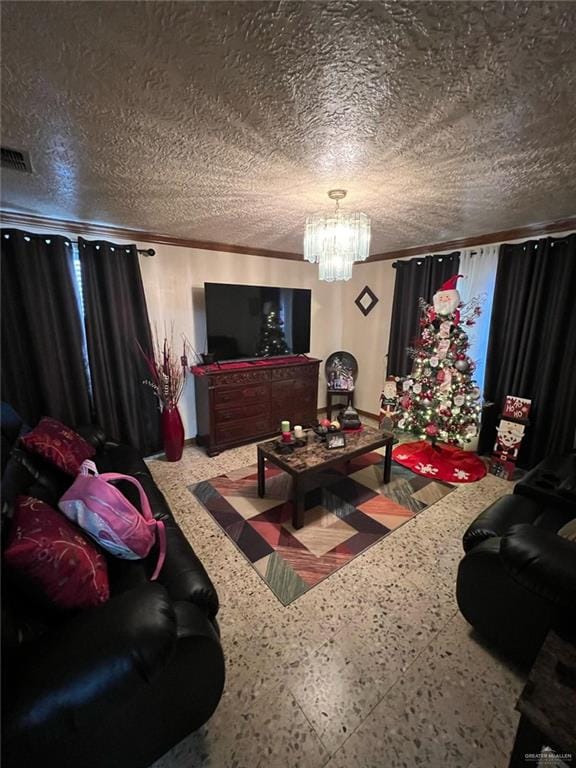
pixel 231 121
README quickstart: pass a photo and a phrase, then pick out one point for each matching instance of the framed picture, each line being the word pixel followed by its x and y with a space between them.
pixel 335 440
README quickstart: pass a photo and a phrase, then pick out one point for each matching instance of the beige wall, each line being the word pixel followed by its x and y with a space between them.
pixel 174 286
pixel 174 280
pixel 367 337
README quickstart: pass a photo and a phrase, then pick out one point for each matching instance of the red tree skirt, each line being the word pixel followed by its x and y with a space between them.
pixel 441 462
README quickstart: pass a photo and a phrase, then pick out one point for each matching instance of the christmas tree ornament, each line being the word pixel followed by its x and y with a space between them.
pixel 443 347
pixel 417 388
pixel 446 299
pixel 459 400
pixel 444 330
pixel 434 362
pixel 461 365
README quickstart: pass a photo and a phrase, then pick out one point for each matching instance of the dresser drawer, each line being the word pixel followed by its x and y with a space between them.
pixel 243 404
pixel 245 376
pixel 292 410
pixel 243 430
pixel 241 411
pixel 226 397
pixel 293 396
pixel 299 414
pixel 295 372
pixel 280 390
pixel 306 417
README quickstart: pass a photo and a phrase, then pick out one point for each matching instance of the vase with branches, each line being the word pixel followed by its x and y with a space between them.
pixel 168 372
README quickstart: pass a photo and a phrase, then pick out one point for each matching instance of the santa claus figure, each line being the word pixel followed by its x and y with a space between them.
pixel 447 299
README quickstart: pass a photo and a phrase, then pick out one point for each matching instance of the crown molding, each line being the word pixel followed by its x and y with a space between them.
pixel 529 231
pixel 12 218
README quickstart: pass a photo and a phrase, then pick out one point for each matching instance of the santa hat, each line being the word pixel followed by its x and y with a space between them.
pixel 450 284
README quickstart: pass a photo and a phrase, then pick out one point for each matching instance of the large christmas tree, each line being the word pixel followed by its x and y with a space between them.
pixel 272 340
pixel 440 400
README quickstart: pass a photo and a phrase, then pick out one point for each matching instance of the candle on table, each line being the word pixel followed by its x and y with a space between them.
pixel 285 426
pixel 298 432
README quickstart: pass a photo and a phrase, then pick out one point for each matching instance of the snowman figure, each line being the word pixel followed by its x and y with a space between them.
pixel 447 299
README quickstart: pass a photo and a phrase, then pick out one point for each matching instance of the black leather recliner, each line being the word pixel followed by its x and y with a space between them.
pixel 116 685
pixel 518 577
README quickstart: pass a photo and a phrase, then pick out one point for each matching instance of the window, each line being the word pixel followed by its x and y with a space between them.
pixel 76 269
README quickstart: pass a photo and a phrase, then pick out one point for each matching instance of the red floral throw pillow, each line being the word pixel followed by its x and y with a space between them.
pixel 58 444
pixel 54 557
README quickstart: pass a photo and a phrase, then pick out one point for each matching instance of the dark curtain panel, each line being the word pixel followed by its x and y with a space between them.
pixel 43 372
pixel 532 346
pixel 116 321
pixel 415 279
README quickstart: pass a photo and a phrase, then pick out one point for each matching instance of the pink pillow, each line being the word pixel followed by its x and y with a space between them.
pixel 54 557
pixel 58 444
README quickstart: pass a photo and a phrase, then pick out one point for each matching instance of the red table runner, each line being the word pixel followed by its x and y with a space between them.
pixel 202 370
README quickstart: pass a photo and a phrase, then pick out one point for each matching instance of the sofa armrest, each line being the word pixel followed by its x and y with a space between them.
pixel 498 518
pixel 183 574
pixel 107 652
pixel 543 562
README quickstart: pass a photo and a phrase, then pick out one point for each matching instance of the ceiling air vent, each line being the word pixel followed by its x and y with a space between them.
pixel 16 160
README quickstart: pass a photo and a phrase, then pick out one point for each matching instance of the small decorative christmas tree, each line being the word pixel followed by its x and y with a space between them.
pixel 272 340
pixel 440 399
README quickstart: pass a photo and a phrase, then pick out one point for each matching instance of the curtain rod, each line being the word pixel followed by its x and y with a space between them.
pixel 475 248
pixel 447 255
pixel 143 251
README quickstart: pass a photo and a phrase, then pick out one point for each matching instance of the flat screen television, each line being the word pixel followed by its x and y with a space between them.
pixel 250 321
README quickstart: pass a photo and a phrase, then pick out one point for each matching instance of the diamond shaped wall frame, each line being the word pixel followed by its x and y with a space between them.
pixel 366 300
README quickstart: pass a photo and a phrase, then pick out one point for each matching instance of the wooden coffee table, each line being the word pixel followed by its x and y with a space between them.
pixel 308 464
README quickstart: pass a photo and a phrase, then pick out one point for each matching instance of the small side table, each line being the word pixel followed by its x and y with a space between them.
pixel 330 393
pixel 548 705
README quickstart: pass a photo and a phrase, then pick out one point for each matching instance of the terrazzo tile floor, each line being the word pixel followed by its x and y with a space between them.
pixel 372 668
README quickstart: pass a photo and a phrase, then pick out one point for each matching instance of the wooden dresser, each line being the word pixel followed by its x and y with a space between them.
pixel 236 404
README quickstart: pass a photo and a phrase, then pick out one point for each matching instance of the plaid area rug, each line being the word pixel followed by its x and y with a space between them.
pixel 341 520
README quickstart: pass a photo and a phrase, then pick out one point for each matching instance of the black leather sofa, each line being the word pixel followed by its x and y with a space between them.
pixel 518 577
pixel 116 685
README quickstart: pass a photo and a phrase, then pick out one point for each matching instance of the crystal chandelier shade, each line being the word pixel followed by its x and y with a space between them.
pixel 335 241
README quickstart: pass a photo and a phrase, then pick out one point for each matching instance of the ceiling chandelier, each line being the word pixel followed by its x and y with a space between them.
pixel 335 241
